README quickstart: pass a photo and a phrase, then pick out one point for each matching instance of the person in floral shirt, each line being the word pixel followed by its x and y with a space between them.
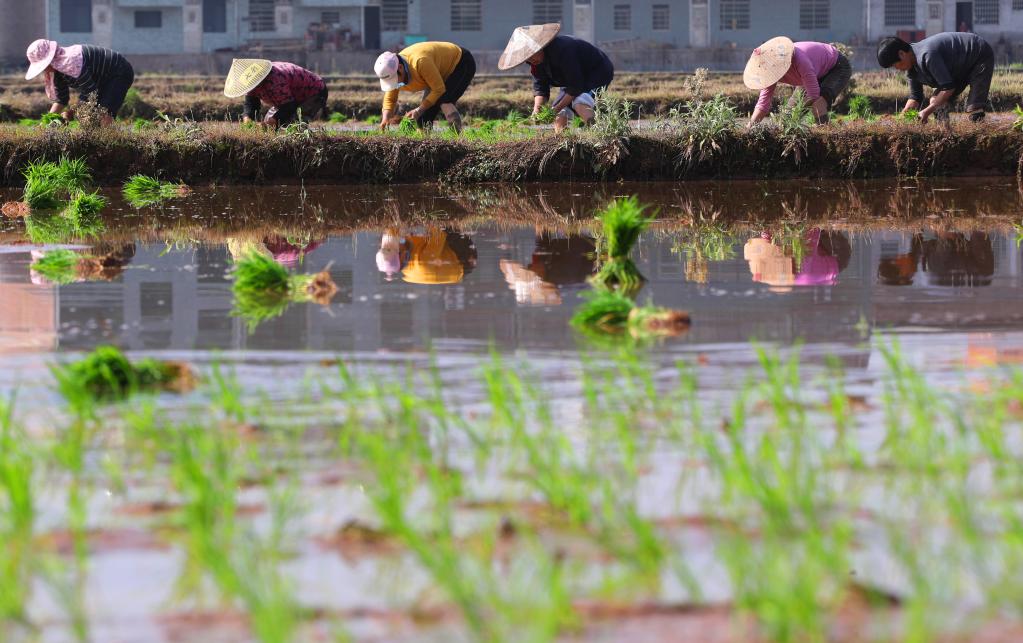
pixel 286 88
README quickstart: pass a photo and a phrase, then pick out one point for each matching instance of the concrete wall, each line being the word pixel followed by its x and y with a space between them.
pixel 642 22
pixel 22 23
pixel 781 18
pixel 168 39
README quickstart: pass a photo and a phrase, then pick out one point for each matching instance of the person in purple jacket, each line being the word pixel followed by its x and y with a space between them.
pixel 284 87
pixel 818 68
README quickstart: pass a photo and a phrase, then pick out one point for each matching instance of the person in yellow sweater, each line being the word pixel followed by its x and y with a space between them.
pixel 441 70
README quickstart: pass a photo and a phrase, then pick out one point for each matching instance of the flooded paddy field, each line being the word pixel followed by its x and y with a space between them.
pixel 830 451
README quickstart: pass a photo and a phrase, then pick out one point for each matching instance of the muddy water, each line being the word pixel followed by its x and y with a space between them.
pixel 838 268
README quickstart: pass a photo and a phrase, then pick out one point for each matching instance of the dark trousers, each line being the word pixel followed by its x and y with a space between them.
pixel 979 82
pixel 287 112
pixel 455 85
pixel 114 89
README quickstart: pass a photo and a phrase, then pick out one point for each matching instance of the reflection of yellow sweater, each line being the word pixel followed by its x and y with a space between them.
pixel 429 64
pixel 431 261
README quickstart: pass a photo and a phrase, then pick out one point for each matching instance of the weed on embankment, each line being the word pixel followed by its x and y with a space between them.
pixel 225 153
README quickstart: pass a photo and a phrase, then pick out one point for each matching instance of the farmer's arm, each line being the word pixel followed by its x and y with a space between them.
pixel 937 101
pixel 935 65
pixel 916 94
pixel 63 96
pixel 428 72
pixel 541 90
pixel 387 111
pixel 250 109
pixel 763 107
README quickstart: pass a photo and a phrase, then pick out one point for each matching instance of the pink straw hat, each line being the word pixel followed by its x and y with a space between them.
pixel 40 54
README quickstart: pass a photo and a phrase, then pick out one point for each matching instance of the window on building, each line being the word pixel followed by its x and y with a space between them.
pixel 814 14
pixel 545 11
pixel 330 17
pixel 622 16
pixel 394 15
pixel 899 13
pixel 1017 5
pixel 661 17
pixel 466 15
pixel 261 15
pixel 76 16
pixel 214 16
pixel 148 19
pixel 934 11
pixel 985 12
pixel 734 15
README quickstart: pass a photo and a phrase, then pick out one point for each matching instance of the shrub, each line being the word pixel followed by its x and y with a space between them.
pixel 611 115
pixel 861 109
pixel 704 125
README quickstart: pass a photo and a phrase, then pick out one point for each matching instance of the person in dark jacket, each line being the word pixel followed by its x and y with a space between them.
pixel 948 62
pixel 577 67
pixel 91 71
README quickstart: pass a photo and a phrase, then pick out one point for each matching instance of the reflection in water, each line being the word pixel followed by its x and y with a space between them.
pixel 948 258
pixel 820 255
pixel 439 256
pixel 104 261
pixel 287 251
pixel 556 261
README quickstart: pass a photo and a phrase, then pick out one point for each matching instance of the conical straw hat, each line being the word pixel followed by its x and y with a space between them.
pixel 526 41
pixel 245 74
pixel 768 63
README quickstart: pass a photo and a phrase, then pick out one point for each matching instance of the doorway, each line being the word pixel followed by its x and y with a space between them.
pixel 964 16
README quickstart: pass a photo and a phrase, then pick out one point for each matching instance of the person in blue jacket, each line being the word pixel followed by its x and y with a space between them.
pixel 577 67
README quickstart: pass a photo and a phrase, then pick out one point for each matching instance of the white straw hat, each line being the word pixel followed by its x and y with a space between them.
pixel 245 75
pixel 526 41
pixel 768 63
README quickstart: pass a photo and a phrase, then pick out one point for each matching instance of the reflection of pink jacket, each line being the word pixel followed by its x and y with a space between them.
pixel 288 254
pixel 817 269
pixel 810 62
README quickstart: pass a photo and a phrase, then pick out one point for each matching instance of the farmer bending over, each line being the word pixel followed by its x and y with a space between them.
pixel 286 87
pixel 948 62
pixel 85 68
pixel 579 68
pixel 820 69
pixel 441 70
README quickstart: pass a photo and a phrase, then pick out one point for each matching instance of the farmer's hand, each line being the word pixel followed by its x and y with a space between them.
pixel 67 115
pixel 925 113
pixel 414 114
pixel 270 122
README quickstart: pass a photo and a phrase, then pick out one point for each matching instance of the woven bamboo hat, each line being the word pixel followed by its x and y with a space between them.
pixel 526 41
pixel 245 74
pixel 768 63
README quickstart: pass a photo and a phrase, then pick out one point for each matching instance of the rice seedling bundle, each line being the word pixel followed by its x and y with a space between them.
pixel 622 222
pixel 610 312
pixel 142 191
pixel 107 374
pixel 263 289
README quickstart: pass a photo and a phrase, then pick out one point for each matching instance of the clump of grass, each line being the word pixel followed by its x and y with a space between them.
pixel 704 126
pixel 141 190
pixel 622 222
pixel 338 117
pixel 84 209
pixel 263 289
pixel 794 121
pixel 373 119
pixel 611 116
pixel 611 312
pixel 106 374
pixel 545 116
pixel 1017 123
pixel 142 125
pixel 861 109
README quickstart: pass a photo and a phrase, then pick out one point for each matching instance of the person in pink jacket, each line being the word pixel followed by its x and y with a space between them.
pixel 818 68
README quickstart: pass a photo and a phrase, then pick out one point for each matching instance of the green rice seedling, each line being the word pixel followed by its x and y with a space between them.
pixel 622 221
pixel 372 119
pixel 338 117
pixel 47 183
pixel 908 116
pixel 142 125
pixel 612 312
pixel 516 118
pixel 106 374
pixel 408 127
pixel 1017 123
pixel 861 109
pixel 45 120
pixel 263 289
pixel 545 116
pixel 17 518
pixel 58 266
pixel 49 227
pixel 83 209
pixel 142 191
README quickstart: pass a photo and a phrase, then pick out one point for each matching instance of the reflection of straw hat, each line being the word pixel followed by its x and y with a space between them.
pixel 768 63
pixel 245 75
pixel 526 41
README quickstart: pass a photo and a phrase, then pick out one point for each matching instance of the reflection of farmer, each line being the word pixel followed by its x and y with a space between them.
pixel 86 69
pixel 441 70
pixel 955 260
pixel 820 69
pixel 285 87
pixel 555 262
pixel 438 257
pixel 899 268
pixel 827 255
pixel 577 67
pixel 285 251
